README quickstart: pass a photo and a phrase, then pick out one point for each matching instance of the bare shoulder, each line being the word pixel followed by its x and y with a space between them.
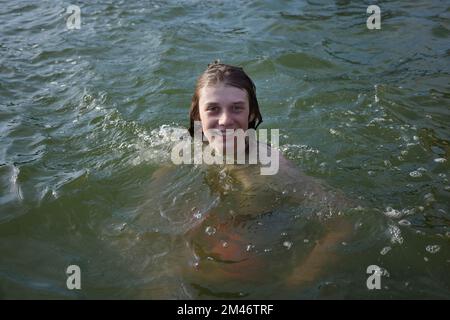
pixel 309 187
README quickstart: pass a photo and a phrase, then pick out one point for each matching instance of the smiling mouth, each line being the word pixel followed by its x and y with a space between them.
pixel 223 135
pixel 227 132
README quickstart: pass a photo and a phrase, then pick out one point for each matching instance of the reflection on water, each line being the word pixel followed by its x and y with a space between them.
pixel 88 118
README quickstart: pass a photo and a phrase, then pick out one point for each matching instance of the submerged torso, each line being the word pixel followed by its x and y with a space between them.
pixel 253 222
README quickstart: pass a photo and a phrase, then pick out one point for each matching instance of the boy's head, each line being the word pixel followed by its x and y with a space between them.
pixel 224 98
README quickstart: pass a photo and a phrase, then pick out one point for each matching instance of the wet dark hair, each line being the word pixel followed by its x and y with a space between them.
pixel 231 76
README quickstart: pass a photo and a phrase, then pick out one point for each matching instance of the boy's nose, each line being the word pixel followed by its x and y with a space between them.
pixel 225 119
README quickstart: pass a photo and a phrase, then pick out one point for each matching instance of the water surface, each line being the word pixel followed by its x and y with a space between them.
pixel 88 117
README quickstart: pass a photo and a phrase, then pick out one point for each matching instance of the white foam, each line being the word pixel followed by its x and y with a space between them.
pixel 15 187
pixel 415 174
pixel 433 248
pixel 287 244
pixel 156 146
pixel 393 213
pixel 396 234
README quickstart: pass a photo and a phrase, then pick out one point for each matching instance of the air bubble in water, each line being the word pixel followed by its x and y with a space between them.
pixel 440 160
pixel 433 248
pixel 429 198
pixel 120 227
pixel 396 236
pixel 197 215
pixel 404 222
pixel 287 244
pixel 415 174
pixel 210 230
pixel 385 273
pixel 250 247
pixel 385 250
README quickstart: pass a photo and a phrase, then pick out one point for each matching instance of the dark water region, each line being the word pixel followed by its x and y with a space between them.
pixel 88 118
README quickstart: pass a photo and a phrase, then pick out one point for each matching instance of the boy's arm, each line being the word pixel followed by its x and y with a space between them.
pixel 338 228
pixel 322 254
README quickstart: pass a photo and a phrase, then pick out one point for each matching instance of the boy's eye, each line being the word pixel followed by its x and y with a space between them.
pixel 238 108
pixel 212 108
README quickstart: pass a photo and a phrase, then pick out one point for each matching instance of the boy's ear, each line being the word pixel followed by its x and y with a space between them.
pixel 251 117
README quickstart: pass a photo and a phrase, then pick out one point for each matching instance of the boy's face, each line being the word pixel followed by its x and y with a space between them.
pixel 223 107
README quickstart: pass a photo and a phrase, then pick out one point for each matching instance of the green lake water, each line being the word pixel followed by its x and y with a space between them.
pixel 88 118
